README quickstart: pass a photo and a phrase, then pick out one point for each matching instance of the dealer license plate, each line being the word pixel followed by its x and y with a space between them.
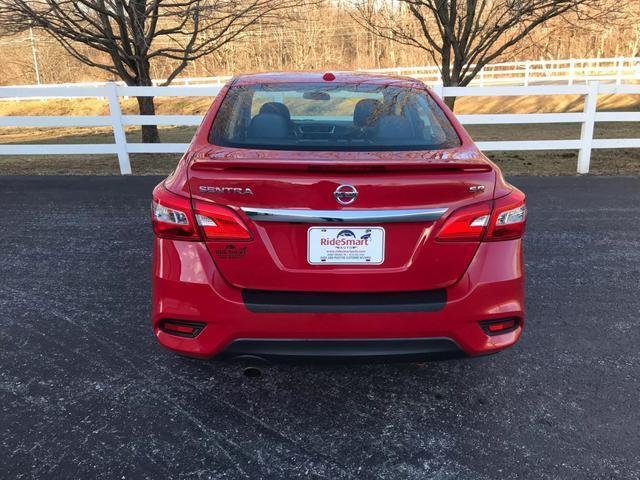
pixel 345 245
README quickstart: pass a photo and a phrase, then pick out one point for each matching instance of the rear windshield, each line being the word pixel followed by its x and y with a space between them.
pixel 348 117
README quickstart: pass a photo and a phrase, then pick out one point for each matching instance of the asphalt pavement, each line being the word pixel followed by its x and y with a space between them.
pixel 85 391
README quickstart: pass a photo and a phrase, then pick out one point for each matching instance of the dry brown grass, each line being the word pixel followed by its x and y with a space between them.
pixel 539 163
pixel 199 105
pixel 544 104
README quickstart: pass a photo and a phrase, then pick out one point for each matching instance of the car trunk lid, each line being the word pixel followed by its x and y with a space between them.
pixel 290 205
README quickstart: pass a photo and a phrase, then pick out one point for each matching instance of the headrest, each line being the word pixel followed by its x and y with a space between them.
pixel 366 112
pixel 268 125
pixel 276 108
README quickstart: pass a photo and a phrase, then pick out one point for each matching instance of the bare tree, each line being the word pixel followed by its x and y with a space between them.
pixel 324 37
pixel 124 37
pixel 462 36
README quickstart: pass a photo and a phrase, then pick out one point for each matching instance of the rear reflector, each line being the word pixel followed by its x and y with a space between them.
pixel 498 327
pixel 181 328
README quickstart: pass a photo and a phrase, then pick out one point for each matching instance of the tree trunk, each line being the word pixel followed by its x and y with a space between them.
pixel 450 102
pixel 449 77
pixel 149 132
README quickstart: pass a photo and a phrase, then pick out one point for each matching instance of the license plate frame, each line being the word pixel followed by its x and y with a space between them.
pixel 346 245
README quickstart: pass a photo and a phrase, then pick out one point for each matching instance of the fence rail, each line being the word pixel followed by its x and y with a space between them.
pixel 117 121
pixel 571 71
pixel 535 72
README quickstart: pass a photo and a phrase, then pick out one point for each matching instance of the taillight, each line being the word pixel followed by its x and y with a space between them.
pixel 508 218
pixel 477 222
pixel 220 223
pixel 171 216
pixel 466 224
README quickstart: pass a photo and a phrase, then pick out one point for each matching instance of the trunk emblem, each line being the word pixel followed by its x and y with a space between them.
pixel 345 194
pixel 236 190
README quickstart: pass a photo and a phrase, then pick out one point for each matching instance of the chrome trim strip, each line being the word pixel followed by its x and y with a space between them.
pixel 335 216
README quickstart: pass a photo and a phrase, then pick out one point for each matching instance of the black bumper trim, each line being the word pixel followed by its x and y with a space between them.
pixel 266 301
pixel 434 348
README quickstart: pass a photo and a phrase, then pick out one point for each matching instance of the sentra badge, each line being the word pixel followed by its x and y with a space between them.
pixel 224 190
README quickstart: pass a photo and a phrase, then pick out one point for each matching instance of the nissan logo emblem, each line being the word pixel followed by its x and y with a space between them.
pixel 345 194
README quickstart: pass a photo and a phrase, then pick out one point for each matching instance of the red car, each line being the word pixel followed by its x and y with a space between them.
pixel 335 215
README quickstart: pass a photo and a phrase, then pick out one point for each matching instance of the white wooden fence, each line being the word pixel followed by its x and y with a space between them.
pixel 539 72
pixel 117 121
pixel 530 72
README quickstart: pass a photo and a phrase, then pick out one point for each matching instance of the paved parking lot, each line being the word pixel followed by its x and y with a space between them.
pixel 85 392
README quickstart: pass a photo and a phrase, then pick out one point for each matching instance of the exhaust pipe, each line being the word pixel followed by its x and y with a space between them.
pixel 252 365
pixel 252 372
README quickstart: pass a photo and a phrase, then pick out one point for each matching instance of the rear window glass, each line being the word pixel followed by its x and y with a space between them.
pixel 349 117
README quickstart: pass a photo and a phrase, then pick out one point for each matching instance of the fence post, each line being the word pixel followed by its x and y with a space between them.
pixel 586 132
pixel 527 66
pixel 118 130
pixel 438 89
pixel 619 71
pixel 572 71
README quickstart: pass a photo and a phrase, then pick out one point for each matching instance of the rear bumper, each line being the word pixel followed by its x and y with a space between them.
pixel 187 286
pixel 393 348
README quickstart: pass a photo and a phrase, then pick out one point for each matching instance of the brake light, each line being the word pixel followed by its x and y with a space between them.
pixel 508 218
pixel 477 222
pixel 171 216
pixel 466 224
pixel 219 223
